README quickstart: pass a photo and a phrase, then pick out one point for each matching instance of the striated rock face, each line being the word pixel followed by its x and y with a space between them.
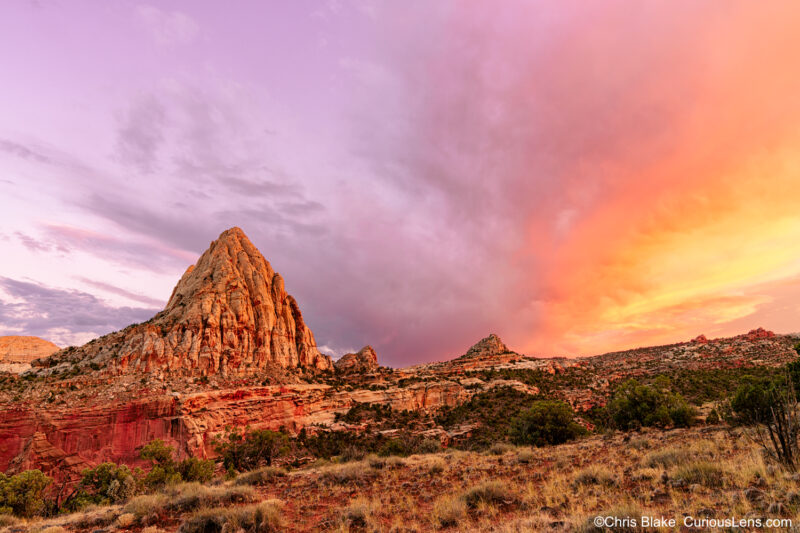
pixel 491 345
pixel 17 352
pixel 364 361
pixel 62 440
pixel 229 315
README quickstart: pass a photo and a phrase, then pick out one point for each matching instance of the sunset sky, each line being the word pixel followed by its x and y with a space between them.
pixel 577 177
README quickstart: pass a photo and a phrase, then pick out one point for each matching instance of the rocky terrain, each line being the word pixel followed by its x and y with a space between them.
pixel 17 352
pixel 231 350
pixel 700 474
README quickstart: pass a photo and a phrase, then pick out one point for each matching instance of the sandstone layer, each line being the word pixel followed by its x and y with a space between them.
pixel 229 314
pixel 64 439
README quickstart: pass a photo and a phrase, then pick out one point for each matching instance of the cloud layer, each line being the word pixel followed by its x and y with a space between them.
pixel 574 177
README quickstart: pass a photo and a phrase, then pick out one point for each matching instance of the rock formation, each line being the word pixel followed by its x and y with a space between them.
pixel 17 352
pixel 228 315
pixel 759 333
pixel 364 361
pixel 491 345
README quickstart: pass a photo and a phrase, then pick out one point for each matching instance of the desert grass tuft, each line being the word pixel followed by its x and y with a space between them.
pixel 701 472
pixel 348 473
pixel 262 476
pixel 448 511
pixel 490 493
pixel 264 517
pixel 668 457
pixel 361 512
pixel 594 475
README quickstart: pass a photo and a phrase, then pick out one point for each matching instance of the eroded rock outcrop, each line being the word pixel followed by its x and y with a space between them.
pixel 229 314
pixel 363 361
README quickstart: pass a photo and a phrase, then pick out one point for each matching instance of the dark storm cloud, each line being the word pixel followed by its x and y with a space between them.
pixel 44 309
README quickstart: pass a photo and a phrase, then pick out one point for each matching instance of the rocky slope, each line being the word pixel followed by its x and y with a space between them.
pixel 17 352
pixel 229 314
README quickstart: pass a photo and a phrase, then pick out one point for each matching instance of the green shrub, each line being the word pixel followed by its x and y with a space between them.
pixel 252 449
pixel 104 484
pixel 23 494
pixel 194 469
pixel 166 471
pixel 546 422
pixel 635 405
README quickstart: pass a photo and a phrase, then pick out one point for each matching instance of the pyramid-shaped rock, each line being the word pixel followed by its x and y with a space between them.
pixel 488 346
pixel 229 314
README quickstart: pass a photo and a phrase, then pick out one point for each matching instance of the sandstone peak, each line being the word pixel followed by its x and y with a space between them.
pixel 229 314
pixel 488 346
pixel 24 349
pixel 363 361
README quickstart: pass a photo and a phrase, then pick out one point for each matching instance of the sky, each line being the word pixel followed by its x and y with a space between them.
pixel 575 176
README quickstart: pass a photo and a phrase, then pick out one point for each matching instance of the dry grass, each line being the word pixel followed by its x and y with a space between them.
pixel 145 505
pixel 594 475
pixel 489 493
pixel 191 496
pixel 436 465
pixel 8 520
pixel 668 457
pixel 262 476
pixel 702 473
pixel 264 517
pixel 501 448
pixel 362 512
pixel 448 511
pixel 349 473
pixel 525 456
